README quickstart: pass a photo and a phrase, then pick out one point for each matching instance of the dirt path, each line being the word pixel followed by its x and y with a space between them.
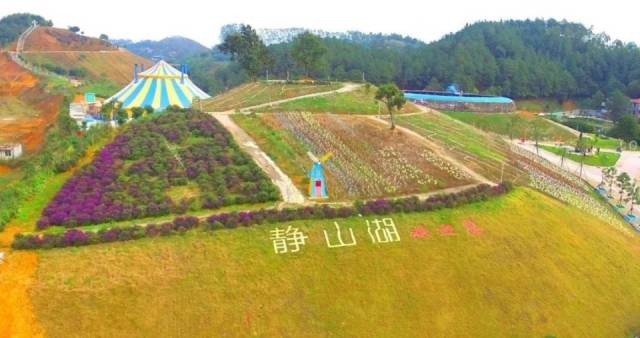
pixel 347 88
pixel 290 194
pixel 17 274
pixel 438 150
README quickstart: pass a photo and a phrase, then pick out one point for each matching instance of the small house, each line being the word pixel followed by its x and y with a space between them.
pixel 85 108
pixel 635 107
pixel 10 151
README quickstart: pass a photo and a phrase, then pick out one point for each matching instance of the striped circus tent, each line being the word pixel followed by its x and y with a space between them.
pixel 159 87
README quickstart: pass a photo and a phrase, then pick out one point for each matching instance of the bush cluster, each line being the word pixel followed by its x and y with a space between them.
pixel 76 237
pixel 130 177
pixel 374 207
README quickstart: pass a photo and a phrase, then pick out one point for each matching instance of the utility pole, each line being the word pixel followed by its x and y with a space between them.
pixel 362 77
pixel 287 75
pixel 267 75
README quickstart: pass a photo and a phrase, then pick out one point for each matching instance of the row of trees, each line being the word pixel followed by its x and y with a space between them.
pixel 520 59
pixel 245 46
pixel 627 189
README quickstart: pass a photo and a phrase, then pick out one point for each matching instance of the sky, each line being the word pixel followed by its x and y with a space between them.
pixel 423 19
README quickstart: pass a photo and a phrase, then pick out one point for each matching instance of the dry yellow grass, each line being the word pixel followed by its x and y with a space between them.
pixel 540 268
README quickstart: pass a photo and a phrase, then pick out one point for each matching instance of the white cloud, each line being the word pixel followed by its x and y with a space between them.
pixel 426 20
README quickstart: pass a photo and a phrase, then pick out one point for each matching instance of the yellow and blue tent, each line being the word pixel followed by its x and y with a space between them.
pixel 159 87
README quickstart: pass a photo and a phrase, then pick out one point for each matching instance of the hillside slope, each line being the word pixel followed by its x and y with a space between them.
pixel 255 93
pixel 173 49
pixel 535 267
pixel 26 109
pixel 87 58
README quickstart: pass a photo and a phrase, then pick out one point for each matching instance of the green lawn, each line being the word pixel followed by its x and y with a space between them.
pixel 499 123
pixel 283 148
pixel 539 268
pixel 255 93
pixel 360 101
pixel 482 152
pixel 604 143
pixel 604 159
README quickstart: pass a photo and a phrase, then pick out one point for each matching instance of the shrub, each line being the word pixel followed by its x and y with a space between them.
pixel 76 237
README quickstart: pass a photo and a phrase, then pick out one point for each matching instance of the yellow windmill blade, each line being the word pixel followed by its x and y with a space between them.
pixel 326 157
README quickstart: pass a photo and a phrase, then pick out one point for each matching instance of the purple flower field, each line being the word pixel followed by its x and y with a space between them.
pixel 130 177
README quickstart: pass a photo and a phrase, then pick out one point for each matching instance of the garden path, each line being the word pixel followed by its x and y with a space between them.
pixel 290 194
pixel 591 174
pixel 441 152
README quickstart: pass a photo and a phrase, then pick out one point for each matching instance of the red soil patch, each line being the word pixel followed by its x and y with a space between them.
pixel 20 83
pixel 4 169
pixel 57 39
pixel 13 78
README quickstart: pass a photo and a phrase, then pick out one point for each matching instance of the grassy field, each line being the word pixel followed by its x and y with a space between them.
pixel 538 268
pixel 606 143
pixel 603 159
pixel 499 123
pixel 368 160
pixel 543 105
pixel 360 101
pixel 595 123
pixel 484 153
pixel 255 93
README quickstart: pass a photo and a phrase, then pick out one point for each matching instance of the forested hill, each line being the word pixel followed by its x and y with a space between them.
pixel 527 59
pixel 173 49
pixel 11 26
pixel 520 59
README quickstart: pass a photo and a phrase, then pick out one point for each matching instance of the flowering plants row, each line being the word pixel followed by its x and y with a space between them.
pixel 133 176
pixel 77 237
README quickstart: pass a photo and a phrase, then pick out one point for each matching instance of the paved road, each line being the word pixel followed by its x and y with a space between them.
pixel 288 190
pixel 629 162
pixel 591 174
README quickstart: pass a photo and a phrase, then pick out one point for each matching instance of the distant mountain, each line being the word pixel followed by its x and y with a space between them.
pixel 272 36
pixel 173 49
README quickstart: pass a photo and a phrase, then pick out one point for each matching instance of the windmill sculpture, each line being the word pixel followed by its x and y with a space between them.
pixel 317 180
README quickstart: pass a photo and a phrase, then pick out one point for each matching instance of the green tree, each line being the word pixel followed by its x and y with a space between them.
pixel 619 105
pixel 622 183
pixel 626 128
pixel 308 51
pixel 148 110
pixel 392 97
pixel 104 37
pixel 633 89
pixel 137 112
pixel 597 99
pixel 634 196
pixel 121 116
pixel 514 122
pixel 537 129
pixel 246 47
pixel 74 29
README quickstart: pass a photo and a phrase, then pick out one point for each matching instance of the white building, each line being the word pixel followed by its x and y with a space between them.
pixel 9 151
